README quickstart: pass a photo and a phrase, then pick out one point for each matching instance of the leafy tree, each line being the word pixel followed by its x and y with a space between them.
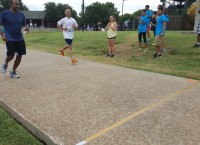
pixel 5 4
pixel 99 12
pixel 57 11
pixel 137 13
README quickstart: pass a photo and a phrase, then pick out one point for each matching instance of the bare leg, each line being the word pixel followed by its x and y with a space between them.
pixel 146 45
pixel 140 45
pixel 65 47
pixel 8 59
pixel 198 38
pixel 112 46
pixel 17 62
pixel 109 44
pixel 70 51
pixel 148 34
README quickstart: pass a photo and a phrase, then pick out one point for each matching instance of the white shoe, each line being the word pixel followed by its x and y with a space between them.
pixel 4 67
pixel 146 49
pixel 139 49
pixel 13 74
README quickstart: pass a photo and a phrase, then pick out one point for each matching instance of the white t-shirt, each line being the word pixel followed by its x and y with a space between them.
pixel 68 23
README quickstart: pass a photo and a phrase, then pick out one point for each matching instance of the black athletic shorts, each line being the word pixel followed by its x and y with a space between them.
pixel 17 47
pixel 69 41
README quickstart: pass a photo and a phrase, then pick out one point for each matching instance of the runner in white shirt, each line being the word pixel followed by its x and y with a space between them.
pixel 68 24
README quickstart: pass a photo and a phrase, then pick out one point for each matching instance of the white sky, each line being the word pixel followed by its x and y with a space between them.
pixel 130 6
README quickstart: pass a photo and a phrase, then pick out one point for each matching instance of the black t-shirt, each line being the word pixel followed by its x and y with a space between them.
pixel 153 20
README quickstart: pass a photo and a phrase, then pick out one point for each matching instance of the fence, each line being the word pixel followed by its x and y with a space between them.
pixel 181 22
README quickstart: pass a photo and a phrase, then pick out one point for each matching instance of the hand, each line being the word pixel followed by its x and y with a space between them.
pixel 64 29
pixel 4 38
pixel 161 34
pixel 26 28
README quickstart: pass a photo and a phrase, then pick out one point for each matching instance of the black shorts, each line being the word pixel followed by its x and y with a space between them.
pixel 13 47
pixel 69 41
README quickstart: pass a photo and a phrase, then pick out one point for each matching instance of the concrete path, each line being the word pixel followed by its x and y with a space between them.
pixel 98 104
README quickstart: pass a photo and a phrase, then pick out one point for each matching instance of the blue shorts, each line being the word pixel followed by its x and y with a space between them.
pixel 69 41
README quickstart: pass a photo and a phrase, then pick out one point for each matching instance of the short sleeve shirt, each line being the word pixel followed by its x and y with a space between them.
pixel 149 15
pixel 13 23
pixel 143 26
pixel 159 24
pixel 68 23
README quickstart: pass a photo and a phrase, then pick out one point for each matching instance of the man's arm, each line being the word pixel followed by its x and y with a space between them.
pixel 60 27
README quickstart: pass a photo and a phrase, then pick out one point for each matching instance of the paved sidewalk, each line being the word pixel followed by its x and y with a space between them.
pixel 98 104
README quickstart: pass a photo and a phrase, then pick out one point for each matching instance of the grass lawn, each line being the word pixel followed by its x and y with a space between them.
pixel 180 59
pixel 12 133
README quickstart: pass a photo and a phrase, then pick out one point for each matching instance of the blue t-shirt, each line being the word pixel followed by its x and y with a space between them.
pixel 167 17
pixel 159 24
pixel 143 26
pixel 149 15
pixel 13 23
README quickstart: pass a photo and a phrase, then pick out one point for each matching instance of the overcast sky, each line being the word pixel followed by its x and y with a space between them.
pixel 130 6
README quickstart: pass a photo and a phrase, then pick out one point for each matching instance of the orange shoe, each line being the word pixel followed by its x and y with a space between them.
pixel 74 61
pixel 61 52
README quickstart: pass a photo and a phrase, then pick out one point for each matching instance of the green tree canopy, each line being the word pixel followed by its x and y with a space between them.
pixel 57 11
pixel 5 4
pixel 100 12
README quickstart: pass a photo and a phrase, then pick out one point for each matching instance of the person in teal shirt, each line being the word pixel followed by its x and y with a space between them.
pixel 142 29
pixel 149 15
pixel 161 23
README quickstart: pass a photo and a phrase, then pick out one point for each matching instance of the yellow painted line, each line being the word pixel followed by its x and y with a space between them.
pixel 119 123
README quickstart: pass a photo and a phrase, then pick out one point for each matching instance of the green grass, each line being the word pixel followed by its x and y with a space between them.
pixel 12 133
pixel 180 60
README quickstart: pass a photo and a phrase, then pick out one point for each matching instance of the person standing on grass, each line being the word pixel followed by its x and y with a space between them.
pixel 198 36
pixel 111 35
pixel 68 24
pixel 13 21
pixel 149 15
pixel 153 22
pixel 163 48
pixel 142 29
pixel 161 23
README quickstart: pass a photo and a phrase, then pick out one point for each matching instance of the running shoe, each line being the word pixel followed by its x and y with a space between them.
pixel 146 49
pixel 4 68
pixel 62 52
pixel 74 61
pixel 139 49
pixel 13 74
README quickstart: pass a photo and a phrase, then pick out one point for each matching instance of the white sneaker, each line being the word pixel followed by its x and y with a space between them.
pixel 13 74
pixel 4 68
pixel 146 49
pixel 139 49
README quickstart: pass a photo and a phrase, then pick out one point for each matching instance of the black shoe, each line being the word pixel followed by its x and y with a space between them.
pixel 108 55
pixel 155 55
pixel 196 45
pixel 159 55
pixel 112 55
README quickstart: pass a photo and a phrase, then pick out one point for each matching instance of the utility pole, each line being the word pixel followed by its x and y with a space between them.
pixel 122 8
pixel 83 12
